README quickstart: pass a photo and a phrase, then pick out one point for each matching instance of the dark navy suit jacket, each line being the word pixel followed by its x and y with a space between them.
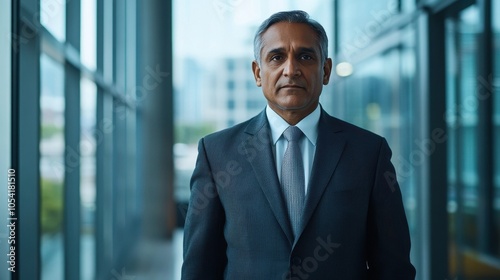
pixel 353 227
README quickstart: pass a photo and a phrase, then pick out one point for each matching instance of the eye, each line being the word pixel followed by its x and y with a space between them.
pixel 276 57
pixel 306 57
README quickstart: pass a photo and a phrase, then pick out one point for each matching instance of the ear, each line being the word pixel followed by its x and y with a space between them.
pixel 256 73
pixel 327 70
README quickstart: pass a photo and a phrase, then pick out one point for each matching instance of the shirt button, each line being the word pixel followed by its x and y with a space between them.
pixel 296 261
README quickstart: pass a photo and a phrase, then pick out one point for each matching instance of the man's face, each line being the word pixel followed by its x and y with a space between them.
pixel 291 72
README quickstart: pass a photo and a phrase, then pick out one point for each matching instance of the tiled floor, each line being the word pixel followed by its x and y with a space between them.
pixel 155 260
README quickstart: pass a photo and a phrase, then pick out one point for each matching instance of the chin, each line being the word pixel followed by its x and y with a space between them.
pixel 294 106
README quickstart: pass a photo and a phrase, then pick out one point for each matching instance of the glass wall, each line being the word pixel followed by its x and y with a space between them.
pixel 87 153
pixel 378 90
pixel 378 96
pixel 468 199
pixel 360 22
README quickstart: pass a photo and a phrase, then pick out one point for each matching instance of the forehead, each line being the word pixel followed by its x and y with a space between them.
pixel 286 35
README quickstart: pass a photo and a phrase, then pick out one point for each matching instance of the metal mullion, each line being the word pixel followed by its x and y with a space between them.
pixel 131 51
pixel 460 238
pixel 72 161
pixel 486 132
pixel 448 6
pixel 436 216
pixel 100 249
pixel 101 252
pixel 26 139
pixel 119 116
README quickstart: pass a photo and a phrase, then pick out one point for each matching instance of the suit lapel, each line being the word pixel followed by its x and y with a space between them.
pixel 329 147
pixel 259 153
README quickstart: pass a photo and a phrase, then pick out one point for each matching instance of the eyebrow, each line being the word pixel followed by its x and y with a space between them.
pixel 300 50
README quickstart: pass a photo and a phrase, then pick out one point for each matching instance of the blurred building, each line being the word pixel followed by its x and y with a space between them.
pixel 103 103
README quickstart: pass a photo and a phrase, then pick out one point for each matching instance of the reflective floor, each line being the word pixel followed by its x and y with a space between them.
pixel 155 260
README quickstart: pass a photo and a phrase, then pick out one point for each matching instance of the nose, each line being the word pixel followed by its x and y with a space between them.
pixel 291 68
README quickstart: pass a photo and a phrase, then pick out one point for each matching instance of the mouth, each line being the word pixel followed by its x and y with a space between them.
pixel 292 86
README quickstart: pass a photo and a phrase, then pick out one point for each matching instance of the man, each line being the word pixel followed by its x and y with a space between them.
pixel 294 193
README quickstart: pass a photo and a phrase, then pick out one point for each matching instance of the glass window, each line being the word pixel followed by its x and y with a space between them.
pixel 461 117
pixel 52 166
pixel 360 21
pixel 88 99
pixel 53 17
pixel 378 98
pixel 467 259
pixel 88 144
pixel 377 95
pixel 88 34
pixel 408 5
pixel 211 84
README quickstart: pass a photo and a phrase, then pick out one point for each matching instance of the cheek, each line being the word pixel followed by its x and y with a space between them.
pixel 269 81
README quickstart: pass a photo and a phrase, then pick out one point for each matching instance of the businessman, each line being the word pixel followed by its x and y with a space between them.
pixel 294 193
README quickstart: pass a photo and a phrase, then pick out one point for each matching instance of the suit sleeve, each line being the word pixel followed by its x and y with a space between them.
pixel 388 233
pixel 204 243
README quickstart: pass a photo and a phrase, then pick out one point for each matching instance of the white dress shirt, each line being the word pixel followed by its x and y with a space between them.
pixel 308 126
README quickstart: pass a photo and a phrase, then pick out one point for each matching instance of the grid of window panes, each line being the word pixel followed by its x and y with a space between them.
pixel 104 73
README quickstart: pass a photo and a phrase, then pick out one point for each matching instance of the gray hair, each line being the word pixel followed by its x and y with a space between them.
pixel 291 17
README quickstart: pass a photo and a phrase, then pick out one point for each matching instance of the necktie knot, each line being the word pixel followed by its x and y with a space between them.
pixel 292 133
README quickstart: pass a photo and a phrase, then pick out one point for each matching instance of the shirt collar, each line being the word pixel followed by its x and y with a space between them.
pixel 308 125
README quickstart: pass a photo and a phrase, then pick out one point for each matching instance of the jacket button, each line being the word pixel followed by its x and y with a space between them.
pixel 296 261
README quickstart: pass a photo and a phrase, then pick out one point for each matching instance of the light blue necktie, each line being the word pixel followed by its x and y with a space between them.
pixel 292 177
